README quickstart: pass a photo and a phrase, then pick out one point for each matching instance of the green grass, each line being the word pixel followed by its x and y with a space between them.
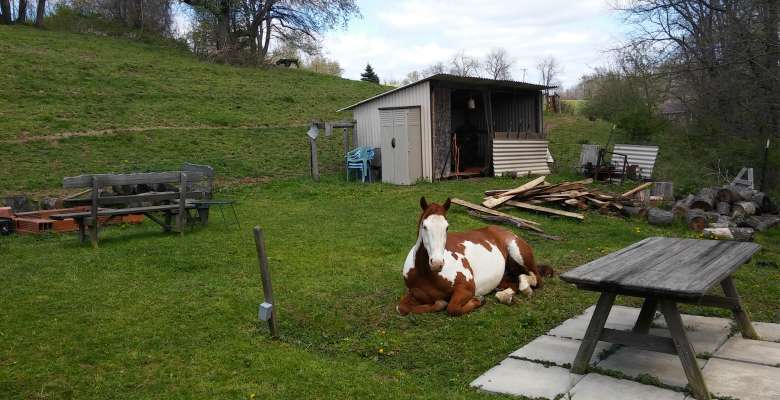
pixel 56 82
pixel 152 315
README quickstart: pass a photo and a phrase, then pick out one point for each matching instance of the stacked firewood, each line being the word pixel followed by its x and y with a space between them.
pixel 728 212
pixel 539 195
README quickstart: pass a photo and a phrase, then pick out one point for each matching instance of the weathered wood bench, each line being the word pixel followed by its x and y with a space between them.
pixel 665 272
pixel 173 194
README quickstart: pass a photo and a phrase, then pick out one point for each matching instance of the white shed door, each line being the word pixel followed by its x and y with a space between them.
pixel 401 145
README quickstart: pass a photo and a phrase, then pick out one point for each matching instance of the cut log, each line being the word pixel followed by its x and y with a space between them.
pixel 636 189
pixel 696 219
pixel 634 211
pixel 705 199
pixel 723 208
pixel 657 216
pixel 495 201
pixel 546 210
pixel 765 204
pixel 510 222
pixel 729 194
pixel 738 234
pixel 745 194
pixel 682 206
pixel 744 209
pixel 761 223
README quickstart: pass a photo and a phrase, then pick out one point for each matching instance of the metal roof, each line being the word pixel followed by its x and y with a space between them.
pixel 464 80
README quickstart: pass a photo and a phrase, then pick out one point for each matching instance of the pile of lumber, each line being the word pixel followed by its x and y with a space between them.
pixel 728 212
pixel 569 199
pixel 538 195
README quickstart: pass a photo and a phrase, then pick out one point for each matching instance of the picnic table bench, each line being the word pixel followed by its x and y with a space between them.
pixel 194 186
pixel 665 272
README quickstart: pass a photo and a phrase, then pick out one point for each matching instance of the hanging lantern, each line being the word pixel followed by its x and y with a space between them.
pixel 471 105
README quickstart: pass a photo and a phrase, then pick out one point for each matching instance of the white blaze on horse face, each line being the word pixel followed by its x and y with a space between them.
pixel 433 232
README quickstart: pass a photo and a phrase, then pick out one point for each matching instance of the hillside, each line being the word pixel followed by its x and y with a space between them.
pixel 57 82
pixel 118 106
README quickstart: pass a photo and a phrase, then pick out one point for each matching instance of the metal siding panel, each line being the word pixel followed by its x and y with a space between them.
pixel 643 156
pixel 520 156
pixel 368 123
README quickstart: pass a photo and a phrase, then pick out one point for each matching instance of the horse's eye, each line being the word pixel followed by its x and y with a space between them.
pixel 425 227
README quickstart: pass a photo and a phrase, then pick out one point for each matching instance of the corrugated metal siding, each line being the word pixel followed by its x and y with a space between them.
pixel 643 156
pixel 369 127
pixel 520 156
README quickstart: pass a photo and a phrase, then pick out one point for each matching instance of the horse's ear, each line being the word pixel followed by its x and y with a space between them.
pixel 423 203
pixel 446 204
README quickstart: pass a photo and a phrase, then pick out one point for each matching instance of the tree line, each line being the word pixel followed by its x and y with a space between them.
pixel 22 12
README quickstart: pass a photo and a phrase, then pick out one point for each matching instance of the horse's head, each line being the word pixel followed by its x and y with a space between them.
pixel 433 231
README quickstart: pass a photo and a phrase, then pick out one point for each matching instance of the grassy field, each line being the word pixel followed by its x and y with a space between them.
pixel 150 315
pixel 57 82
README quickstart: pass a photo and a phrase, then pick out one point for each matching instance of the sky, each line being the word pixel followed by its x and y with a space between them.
pixel 404 35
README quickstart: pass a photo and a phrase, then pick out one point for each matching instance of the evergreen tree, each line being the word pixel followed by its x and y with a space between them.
pixel 369 75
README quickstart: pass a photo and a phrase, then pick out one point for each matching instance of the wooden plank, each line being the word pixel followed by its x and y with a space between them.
pixel 684 350
pixel 553 211
pixel 510 222
pixel 593 333
pixel 641 341
pixel 118 211
pixel 527 224
pixel 148 178
pixel 495 201
pixel 93 230
pixel 636 189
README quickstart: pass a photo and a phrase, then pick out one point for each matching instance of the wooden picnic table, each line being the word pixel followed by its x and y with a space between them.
pixel 665 272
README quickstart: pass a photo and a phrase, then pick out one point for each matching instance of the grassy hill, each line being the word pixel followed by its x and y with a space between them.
pixel 115 105
pixel 59 82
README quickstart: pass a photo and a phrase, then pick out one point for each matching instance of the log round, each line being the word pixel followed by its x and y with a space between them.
pixel 723 208
pixel 705 200
pixel 728 194
pixel 681 207
pixel 631 211
pixel 765 204
pixel 657 216
pixel 744 208
pixel 696 219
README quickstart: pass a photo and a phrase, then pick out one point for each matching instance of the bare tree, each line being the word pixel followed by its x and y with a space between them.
pixel 435 69
pixel 549 70
pixel 251 25
pixel 5 12
pixel 464 65
pixel 411 77
pixel 40 12
pixel 497 64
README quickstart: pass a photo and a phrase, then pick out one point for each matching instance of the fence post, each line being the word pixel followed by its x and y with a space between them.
pixel 266 312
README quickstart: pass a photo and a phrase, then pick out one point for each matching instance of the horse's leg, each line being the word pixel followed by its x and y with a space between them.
pixel 462 302
pixel 521 253
pixel 410 304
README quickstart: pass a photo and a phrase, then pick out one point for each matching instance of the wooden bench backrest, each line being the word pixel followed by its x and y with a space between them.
pixel 147 178
pixel 202 187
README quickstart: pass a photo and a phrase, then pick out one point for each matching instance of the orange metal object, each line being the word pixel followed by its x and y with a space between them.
pixel 37 222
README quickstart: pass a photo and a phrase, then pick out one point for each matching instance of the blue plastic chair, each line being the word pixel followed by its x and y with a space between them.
pixel 359 159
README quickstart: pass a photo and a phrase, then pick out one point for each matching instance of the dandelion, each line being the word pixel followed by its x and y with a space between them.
pixel 381 350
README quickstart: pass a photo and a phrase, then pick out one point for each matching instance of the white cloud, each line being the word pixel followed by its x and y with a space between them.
pixel 405 35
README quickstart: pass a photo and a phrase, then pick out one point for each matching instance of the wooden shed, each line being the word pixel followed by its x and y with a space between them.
pixel 447 125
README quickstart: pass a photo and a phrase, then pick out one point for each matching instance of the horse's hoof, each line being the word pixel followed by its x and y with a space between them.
pixel 441 304
pixel 505 296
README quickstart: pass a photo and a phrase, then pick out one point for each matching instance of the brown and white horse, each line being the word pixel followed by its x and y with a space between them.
pixel 455 270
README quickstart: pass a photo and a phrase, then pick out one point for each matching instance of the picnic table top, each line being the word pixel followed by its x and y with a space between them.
pixel 672 267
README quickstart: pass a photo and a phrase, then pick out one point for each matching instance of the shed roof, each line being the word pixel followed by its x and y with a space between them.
pixel 463 80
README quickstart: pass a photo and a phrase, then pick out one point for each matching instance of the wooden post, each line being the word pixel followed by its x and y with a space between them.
pixel 265 274
pixel 93 230
pixel 346 150
pixel 181 221
pixel 315 168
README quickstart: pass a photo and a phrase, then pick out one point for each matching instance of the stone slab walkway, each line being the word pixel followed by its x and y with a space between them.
pixel 733 367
